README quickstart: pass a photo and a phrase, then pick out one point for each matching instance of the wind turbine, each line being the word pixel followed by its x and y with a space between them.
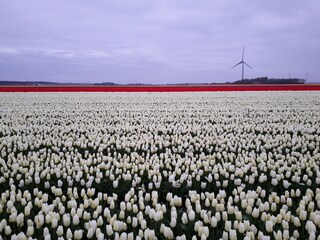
pixel 243 63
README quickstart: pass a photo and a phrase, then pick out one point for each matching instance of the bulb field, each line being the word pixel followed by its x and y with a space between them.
pixel 200 165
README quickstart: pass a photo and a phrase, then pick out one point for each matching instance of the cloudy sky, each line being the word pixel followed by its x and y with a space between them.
pixel 158 41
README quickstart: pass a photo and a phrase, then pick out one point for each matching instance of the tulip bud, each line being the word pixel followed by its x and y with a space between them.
pixel 78 234
pixel 269 226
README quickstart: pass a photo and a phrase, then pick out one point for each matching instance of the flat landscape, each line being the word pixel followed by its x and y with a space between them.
pixel 161 165
pixel 162 88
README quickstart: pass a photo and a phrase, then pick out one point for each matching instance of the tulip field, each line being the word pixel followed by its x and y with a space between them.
pixel 161 165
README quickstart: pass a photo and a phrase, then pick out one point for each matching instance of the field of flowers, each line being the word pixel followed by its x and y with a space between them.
pixel 210 165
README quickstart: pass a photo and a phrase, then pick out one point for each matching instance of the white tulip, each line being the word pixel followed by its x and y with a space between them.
pixel 20 220
pixel 123 206
pixel 109 230
pixel 227 226
pixel 47 237
pixel 78 234
pixel 9 204
pixel 269 226
pixel 66 220
pixel 69 233
pixel 115 183
pixel 191 215
pixel 173 222
pixel 303 215
pixel 39 220
pixel 134 222
pixel 60 231
pixel 310 227
pixel 30 231
pixel 54 222
pixel 241 227
pixel 233 234
pixel 75 220
pixel 7 230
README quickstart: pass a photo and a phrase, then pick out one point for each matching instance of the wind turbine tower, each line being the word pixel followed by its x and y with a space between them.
pixel 243 63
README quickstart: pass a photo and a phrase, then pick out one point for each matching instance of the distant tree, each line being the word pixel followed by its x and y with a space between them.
pixel 266 80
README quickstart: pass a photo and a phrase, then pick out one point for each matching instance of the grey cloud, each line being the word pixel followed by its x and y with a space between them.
pixel 159 41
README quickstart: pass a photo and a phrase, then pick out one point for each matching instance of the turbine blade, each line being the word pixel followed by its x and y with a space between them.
pixel 243 53
pixel 237 64
pixel 247 65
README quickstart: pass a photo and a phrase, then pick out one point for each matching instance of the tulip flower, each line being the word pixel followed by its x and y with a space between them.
pixel 140 165
pixel 78 234
pixel 269 226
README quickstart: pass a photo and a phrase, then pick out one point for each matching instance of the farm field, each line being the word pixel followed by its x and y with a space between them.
pixel 161 165
pixel 162 88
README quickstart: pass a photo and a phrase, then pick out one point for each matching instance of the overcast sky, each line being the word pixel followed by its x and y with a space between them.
pixel 158 41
